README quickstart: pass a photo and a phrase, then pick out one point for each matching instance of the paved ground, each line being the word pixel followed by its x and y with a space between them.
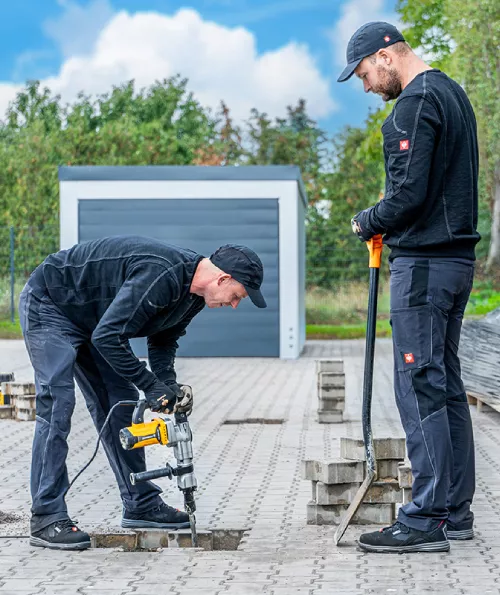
pixel 249 478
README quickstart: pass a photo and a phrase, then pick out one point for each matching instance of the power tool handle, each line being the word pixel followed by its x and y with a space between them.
pixel 180 418
pixel 149 475
pixel 139 409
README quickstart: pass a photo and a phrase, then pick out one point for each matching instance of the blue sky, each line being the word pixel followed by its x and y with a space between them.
pixel 251 53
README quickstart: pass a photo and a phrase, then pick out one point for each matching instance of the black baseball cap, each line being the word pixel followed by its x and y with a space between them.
pixel 367 40
pixel 243 265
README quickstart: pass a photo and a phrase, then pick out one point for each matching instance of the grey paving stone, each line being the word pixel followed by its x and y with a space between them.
pixel 385 448
pixel 250 475
pixel 382 514
pixel 405 477
pixel 388 468
pixel 330 417
pixel 329 366
pixel 332 472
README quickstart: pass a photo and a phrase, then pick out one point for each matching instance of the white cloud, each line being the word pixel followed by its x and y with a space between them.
pixel 354 14
pixel 220 63
pixel 78 27
pixel 8 93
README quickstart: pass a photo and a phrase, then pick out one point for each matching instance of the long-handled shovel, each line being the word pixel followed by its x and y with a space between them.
pixel 375 249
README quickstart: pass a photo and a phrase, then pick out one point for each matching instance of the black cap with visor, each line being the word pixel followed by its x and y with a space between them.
pixel 243 265
pixel 367 40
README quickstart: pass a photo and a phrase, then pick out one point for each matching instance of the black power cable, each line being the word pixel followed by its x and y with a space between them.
pixel 106 421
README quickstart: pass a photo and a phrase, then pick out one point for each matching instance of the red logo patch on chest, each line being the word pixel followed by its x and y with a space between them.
pixel 404 145
pixel 409 359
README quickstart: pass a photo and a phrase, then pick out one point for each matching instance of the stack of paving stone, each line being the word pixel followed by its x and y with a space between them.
pixel 331 390
pixel 22 400
pixel 5 404
pixel 336 482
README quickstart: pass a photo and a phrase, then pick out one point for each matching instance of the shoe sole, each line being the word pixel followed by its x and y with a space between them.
pixel 436 546
pixel 129 524
pixel 460 535
pixel 37 542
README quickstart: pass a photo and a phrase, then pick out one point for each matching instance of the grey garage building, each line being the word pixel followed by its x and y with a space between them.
pixel 202 208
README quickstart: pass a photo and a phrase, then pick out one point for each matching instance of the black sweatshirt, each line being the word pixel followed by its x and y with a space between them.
pixel 117 288
pixel 431 163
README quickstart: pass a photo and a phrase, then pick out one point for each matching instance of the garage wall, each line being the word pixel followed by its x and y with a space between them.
pixel 203 225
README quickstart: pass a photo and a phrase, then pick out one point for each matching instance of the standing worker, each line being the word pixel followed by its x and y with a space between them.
pixel 428 217
pixel 78 311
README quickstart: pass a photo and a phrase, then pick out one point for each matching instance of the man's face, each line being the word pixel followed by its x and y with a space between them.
pixel 379 78
pixel 224 291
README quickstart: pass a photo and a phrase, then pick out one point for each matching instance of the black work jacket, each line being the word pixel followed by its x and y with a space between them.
pixel 122 287
pixel 430 206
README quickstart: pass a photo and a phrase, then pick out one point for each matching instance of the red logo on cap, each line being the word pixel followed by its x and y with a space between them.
pixel 387 38
pixel 404 145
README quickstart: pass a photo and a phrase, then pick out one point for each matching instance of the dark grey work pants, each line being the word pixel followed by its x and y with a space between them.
pixel 60 352
pixel 428 299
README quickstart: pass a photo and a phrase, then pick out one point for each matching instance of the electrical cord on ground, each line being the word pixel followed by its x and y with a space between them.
pixel 106 421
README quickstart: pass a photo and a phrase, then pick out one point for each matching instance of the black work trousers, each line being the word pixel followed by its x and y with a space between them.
pixel 60 353
pixel 428 300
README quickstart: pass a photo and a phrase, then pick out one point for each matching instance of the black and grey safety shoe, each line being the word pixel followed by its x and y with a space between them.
pixel 400 539
pixel 61 535
pixel 459 531
pixel 161 517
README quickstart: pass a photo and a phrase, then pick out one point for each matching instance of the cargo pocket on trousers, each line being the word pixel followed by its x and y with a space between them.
pixel 412 337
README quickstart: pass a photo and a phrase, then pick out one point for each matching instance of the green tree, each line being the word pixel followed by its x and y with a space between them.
pixel 354 183
pixel 163 124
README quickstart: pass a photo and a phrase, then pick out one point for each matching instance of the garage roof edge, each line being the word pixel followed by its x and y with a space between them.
pixel 105 173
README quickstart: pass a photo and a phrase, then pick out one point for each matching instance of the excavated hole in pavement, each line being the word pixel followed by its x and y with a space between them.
pixel 156 539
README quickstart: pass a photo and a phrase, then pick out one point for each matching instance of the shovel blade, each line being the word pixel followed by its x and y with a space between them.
pixel 354 505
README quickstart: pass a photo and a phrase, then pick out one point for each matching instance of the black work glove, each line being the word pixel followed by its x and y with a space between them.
pixel 358 227
pixel 161 397
pixel 185 400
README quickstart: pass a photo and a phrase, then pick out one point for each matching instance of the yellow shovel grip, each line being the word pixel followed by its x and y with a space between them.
pixel 375 249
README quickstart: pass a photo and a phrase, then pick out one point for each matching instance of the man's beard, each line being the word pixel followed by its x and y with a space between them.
pixel 390 84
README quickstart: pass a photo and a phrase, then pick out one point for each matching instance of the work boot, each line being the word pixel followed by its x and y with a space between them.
pixel 459 531
pixel 161 517
pixel 61 535
pixel 399 539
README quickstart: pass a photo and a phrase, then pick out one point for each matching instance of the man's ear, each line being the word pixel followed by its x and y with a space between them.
pixel 385 56
pixel 223 278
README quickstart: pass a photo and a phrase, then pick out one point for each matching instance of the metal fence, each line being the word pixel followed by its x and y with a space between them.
pixel 22 249
pixel 336 273
pixel 337 281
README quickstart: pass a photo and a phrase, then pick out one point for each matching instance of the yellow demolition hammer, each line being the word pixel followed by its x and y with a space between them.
pixel 172 433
